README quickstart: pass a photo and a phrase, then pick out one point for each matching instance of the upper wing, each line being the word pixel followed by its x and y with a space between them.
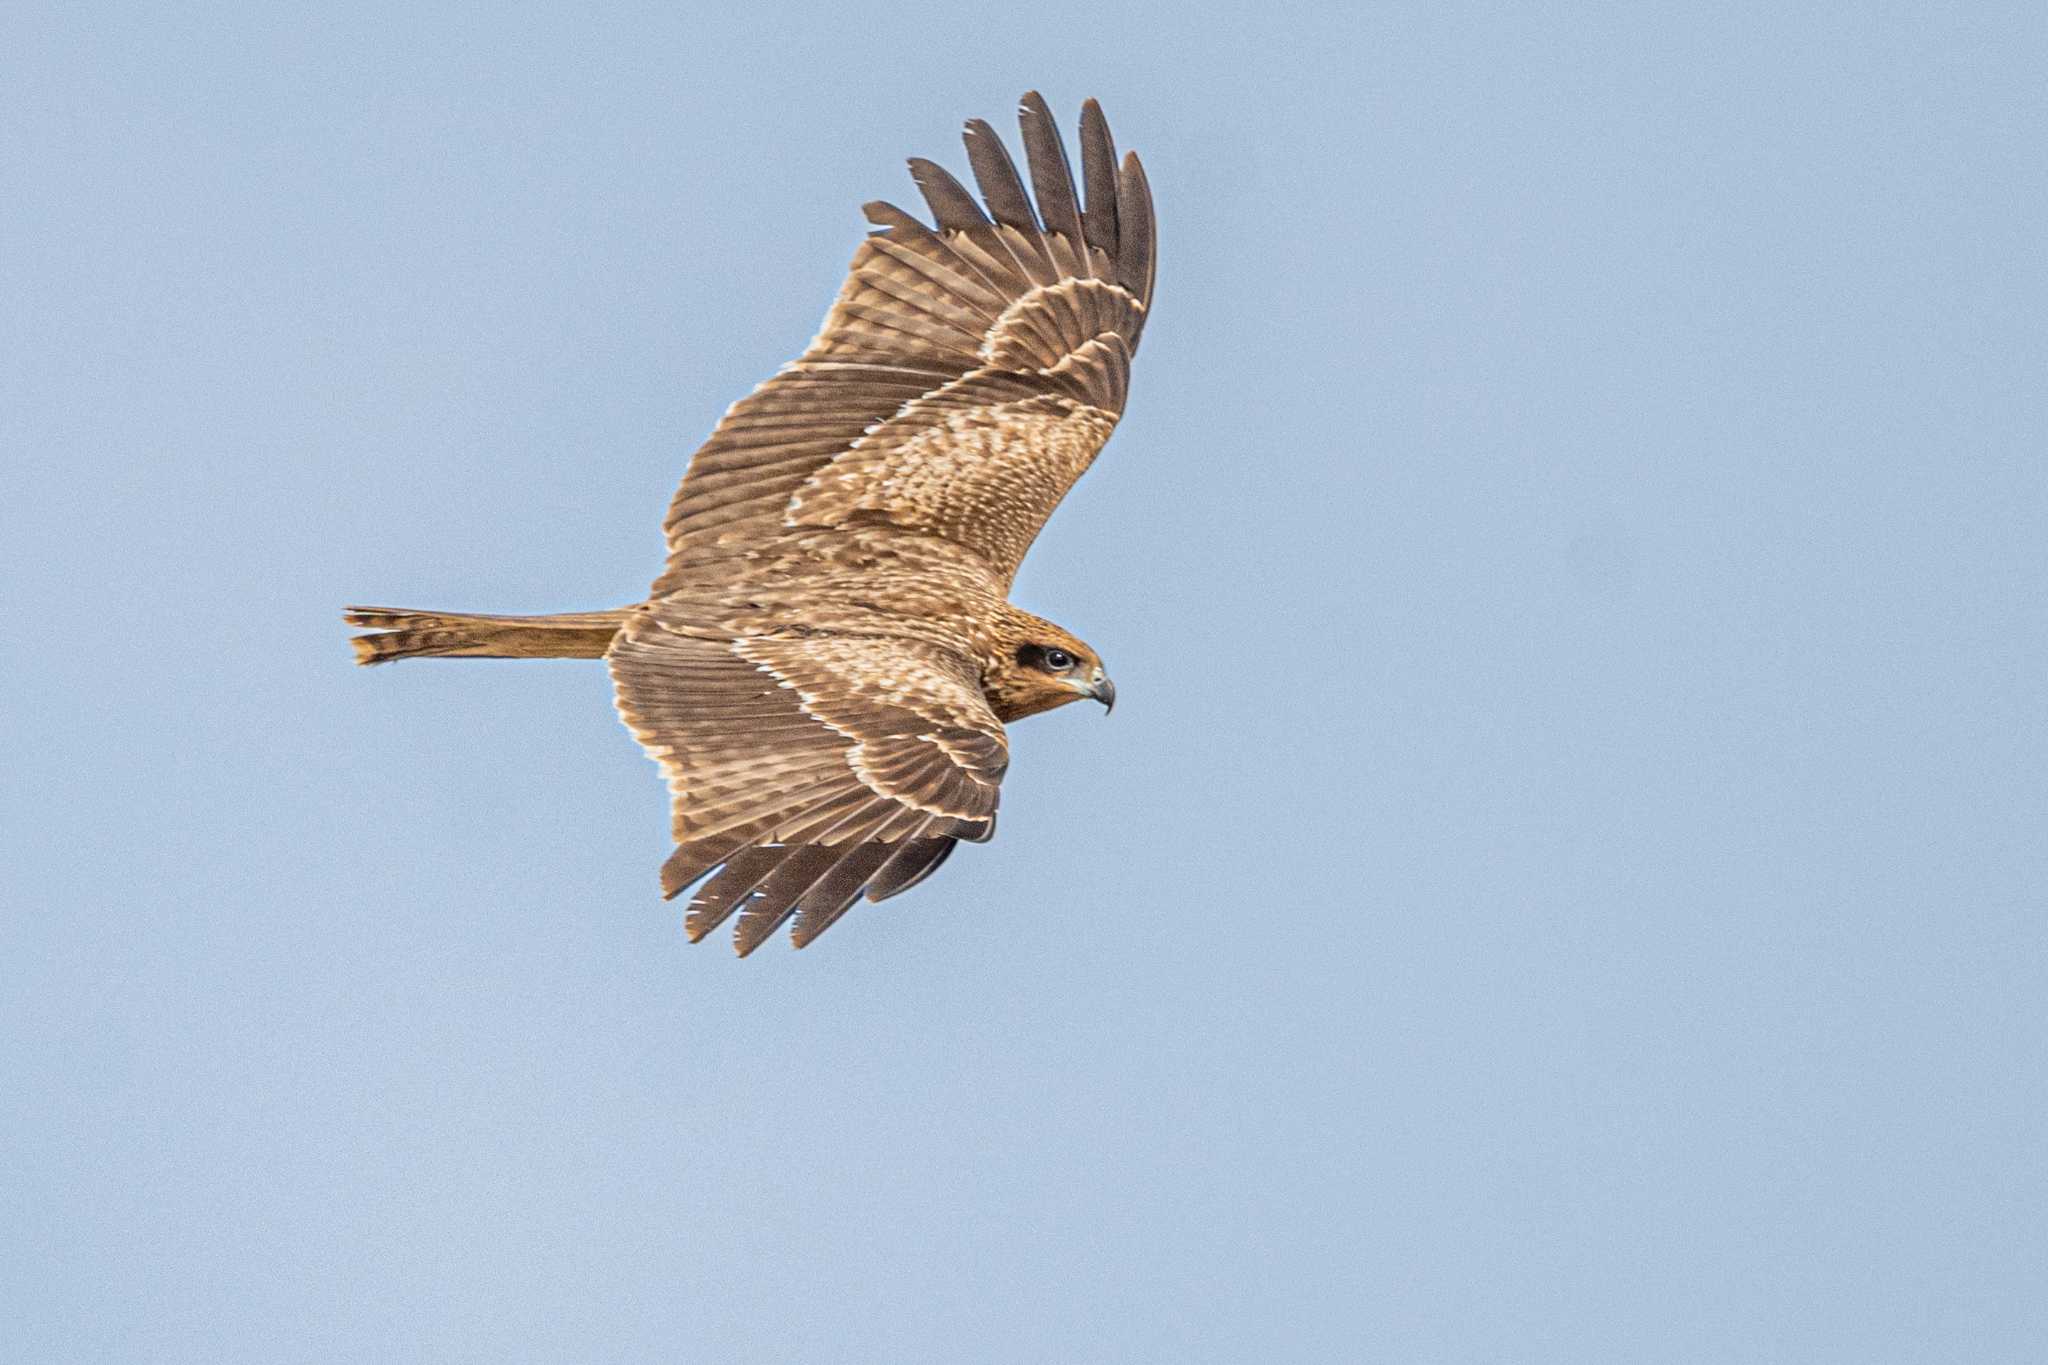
pixel 967 374
pixel 807 769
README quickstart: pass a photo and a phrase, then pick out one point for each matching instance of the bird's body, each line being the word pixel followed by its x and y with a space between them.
pixel 825 666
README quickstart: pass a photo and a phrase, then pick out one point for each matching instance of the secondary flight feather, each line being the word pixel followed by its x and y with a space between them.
pixel 826 664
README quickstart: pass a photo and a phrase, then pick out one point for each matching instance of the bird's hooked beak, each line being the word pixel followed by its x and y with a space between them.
pixel 1101 689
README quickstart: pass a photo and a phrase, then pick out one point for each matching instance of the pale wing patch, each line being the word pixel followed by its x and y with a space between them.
pixel 891 766
pixel 983 477
pixel 923 734
pixel 834 676
pixel 1058 319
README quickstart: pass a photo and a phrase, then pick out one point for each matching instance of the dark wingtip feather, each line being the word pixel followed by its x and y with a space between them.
pixel 1098 179
pixel 759 921
pixel 835 893
pixel 689 862
pixel 781 891
pixel 728 890
pixel 910 865
pixel 888 217
pixel 1136 243
pixel 997 176
pixel 953 208
pixel 1051 176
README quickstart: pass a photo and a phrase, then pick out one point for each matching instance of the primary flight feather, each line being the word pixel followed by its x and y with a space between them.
pixel 825 665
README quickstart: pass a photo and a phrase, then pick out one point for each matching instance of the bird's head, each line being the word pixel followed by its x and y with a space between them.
pixel 1036 666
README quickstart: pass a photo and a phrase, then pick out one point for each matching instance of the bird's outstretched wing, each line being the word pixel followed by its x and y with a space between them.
pixel 966 376
pixel 806 769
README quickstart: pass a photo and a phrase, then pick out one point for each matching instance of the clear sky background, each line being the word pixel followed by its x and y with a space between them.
pixel 1565 880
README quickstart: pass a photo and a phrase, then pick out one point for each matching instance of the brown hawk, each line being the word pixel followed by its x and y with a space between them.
pixel 825 666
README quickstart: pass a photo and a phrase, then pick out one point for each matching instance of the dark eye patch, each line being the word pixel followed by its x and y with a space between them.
pixel 1045 658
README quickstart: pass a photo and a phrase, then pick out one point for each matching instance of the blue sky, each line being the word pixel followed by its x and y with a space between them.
pixel 1565 877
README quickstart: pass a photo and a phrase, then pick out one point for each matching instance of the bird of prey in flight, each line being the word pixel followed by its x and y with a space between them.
pixel 826 664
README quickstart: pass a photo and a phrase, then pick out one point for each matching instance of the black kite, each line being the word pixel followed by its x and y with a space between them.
pixel 825 666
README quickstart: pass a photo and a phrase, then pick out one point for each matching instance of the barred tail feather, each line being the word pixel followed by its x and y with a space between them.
pixel 403 634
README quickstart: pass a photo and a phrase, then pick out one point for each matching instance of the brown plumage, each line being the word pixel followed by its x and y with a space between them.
pixel 825 666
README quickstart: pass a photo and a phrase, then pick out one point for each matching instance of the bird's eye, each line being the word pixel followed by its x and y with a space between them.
pixel 1058 660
